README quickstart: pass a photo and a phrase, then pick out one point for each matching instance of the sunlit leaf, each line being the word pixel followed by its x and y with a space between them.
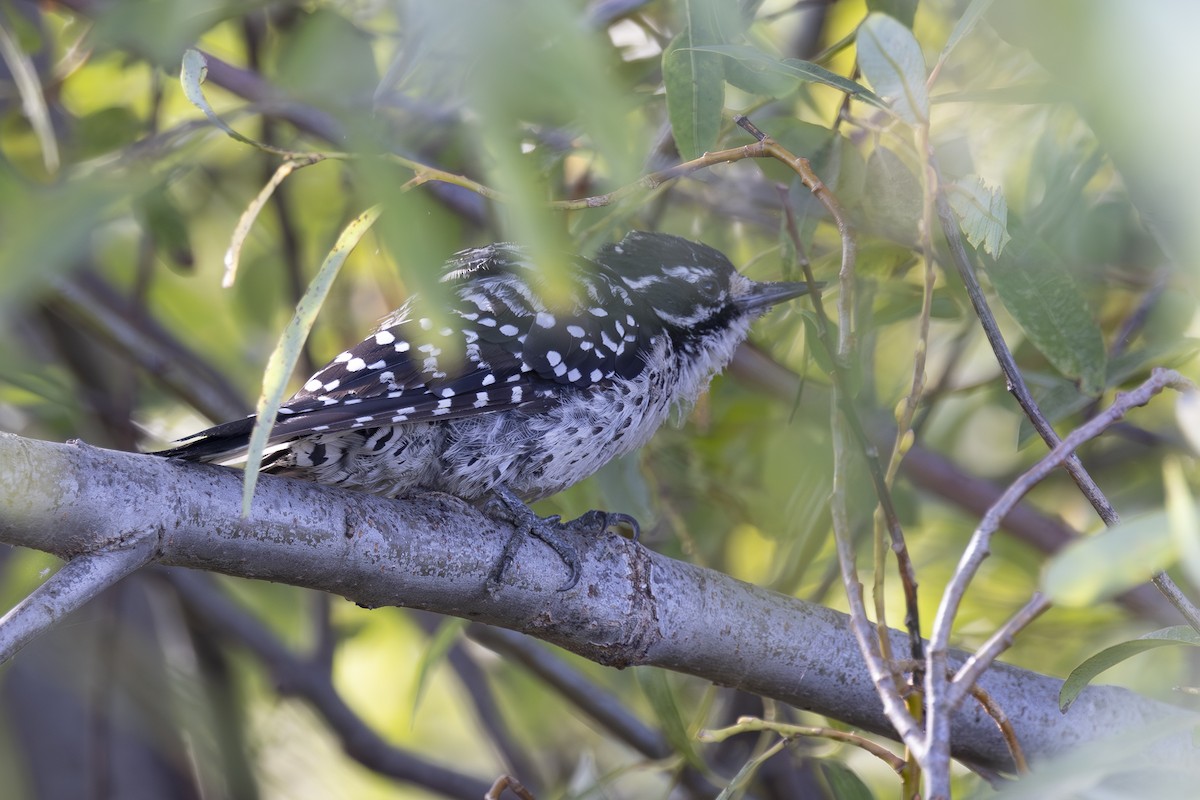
pixel 891 60
pixel 1102 566
pixel 804 71
pixel 1036 288
pixel 1085 673
pixel 982 212
pixel 448 632
pixel 966 23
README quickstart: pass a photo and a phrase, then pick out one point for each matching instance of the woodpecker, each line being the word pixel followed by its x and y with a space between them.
pixel 512 399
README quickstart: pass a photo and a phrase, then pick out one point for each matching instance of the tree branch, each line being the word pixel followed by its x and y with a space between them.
pixel 631 607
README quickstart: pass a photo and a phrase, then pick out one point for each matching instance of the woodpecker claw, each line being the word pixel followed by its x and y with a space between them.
pixel 596 521
pixel 548 529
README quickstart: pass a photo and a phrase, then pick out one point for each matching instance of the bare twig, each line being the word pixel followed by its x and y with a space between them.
pixel 753 725
pixel 79 580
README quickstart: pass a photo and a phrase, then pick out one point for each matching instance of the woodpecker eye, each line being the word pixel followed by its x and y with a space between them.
pixel 709 287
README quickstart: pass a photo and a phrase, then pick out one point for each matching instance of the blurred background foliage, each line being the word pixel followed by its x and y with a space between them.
pixel 118 201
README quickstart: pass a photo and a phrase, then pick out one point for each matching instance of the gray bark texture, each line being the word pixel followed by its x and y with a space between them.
pixel 631 606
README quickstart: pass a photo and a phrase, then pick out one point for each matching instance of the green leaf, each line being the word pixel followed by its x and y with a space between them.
pixel 1099 567
pixel 695 83
pixel 982 213
pixel 1036 288
pixel 892 197
pixel 1083 675
pixel 966 23
pixel 658 691
pixel 891 59
pixel 804 71
pixel 283 358
pixel 443 639
pixel 843 782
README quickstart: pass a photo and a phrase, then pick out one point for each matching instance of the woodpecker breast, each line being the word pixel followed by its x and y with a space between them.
pixel 507 387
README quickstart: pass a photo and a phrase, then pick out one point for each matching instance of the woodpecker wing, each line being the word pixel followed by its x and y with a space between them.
pixel 502 349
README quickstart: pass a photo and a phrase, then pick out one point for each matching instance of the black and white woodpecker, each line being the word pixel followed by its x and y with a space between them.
pixel 511 399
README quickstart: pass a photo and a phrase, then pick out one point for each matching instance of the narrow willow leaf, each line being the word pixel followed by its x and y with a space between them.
pixel 1036 288
pixel 234 253
pixel 891 59
pixel 658 691
pixel 966 23
pixel 1102 566
pixel 982 213
pixel 448 632
pixel 805 71
pixel 1086 672
pixel 283 357
pixel 193 71
pixel 694 82
pixel 33 101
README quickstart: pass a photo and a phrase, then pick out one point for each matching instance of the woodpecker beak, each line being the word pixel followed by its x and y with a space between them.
pixel 764 295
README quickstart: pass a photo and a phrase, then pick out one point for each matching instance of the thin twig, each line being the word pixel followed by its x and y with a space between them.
pixel 755 725
pixel 78 581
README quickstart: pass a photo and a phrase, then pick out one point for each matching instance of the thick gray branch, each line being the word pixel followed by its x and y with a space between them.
pixel 631 606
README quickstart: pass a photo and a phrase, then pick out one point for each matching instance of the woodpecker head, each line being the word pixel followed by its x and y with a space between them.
pixel 691 288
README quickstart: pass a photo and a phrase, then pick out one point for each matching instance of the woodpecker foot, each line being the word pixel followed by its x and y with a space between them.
pixel 549 529
pixel 595 521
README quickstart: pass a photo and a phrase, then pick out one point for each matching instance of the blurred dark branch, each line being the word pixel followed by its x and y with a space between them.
pixel 296 677
pixel 95 306
pixel 632 606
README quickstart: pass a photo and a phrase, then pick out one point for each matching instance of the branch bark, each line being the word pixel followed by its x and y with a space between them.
pixel 631 607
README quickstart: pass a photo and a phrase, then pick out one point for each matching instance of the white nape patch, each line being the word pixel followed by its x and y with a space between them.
pixel 355 364
pixel 312 385
pixel 509 330
pixel 488 380
pixel 546 319
pixel 637 284
pixel 343 357
pixel 384 338
pixel 401 347
pixel 687 272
